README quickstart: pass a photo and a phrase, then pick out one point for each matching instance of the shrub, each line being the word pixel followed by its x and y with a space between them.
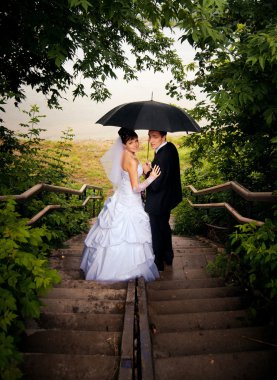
pixel 24 276
pixel 187 221
pixel 257 249
pixel 252 264
pixel 25 161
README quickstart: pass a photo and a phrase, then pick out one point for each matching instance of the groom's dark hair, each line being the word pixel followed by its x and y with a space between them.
pixel 163 133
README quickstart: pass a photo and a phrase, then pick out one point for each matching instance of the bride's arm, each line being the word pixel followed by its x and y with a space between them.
pixel 136 186
pixel 131 168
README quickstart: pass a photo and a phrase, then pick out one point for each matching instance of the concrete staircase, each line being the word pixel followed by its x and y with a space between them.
pixel 80 330
pixel 200 328
pixel 184 326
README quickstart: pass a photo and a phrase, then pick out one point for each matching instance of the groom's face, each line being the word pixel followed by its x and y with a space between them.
pixel 155 139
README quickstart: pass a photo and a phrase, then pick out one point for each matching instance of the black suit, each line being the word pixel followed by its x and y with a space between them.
pixel 161 197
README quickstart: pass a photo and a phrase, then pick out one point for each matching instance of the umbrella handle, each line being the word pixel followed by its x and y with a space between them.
pixel 147 151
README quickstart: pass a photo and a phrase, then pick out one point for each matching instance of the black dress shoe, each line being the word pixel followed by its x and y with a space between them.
pixel 160 267
pixel 168 258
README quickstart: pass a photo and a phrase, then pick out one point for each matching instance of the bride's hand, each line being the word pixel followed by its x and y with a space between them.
pixel 146 167
pixel 156 171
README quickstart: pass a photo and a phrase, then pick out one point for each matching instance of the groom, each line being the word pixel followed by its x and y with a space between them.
pixel 162 196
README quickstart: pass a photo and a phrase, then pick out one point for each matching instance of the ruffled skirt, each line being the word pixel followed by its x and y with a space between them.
pixel 119 246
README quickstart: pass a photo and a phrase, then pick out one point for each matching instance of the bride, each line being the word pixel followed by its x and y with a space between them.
pixel 119 246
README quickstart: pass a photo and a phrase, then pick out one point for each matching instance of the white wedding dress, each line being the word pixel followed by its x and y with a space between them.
pixel 119 246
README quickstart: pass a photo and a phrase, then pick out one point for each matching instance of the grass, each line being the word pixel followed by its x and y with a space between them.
pixel 85 157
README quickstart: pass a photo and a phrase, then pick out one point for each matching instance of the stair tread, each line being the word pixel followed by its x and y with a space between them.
pixel 89 294
pixel 185 283
pixel 72 342
pixel 210 341
pixel 251 365
pixel 179 294
pixel 70 367
pixel 85 284
pixel 200 321
pixel 78 321
pixel 195 305
pixel 82 306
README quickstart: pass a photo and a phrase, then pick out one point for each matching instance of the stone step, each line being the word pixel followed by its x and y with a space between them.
pixel 84 284
pixel 193 261
pixel 209 341
pixel 181 244
pixel 185 284
pixel 78 246
pixel 73 274
pixel 67 263
pixel 87 294
pixel 195 305
pixel 70 321
pixel 72 251
pixel 193 251
pixel 73 342
pixel 70 367
pixel 78 239
pixel 180 273
pixel 201 321
pixel 253 365
pixel 183 294
pixel 186 261
pixel 82 306
pixel 183 239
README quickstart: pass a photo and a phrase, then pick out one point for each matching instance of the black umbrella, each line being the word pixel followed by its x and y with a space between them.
pixel 150 115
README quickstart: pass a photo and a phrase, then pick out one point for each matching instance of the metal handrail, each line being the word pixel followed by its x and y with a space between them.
pixel 38 188
pixel 229 208
pixel 238 188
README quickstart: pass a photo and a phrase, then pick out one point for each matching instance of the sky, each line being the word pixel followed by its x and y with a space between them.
pixel 81 114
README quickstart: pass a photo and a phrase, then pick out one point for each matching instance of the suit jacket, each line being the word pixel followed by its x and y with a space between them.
pixel 163 194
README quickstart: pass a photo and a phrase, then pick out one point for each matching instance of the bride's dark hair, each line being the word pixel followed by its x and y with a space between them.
pixel 127 134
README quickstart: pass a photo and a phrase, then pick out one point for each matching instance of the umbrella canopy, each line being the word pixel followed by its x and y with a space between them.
pixel 150 115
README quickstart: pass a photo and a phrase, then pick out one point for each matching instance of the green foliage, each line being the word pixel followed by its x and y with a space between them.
pixel 23 161
pixel 235 66
pixel 24 268
pixel 66 223
pixel 53 45
pixel 257 249
pixel 187 221
pixel 250 261
pixel 227 266
pixel 24 276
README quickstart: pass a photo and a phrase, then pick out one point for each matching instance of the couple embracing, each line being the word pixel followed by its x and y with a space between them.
pixel 129 240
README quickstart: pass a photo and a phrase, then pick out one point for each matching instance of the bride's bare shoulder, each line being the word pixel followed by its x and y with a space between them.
pixel 129 160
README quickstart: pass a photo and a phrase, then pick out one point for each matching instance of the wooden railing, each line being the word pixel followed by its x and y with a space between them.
pixel 96 197
pixel 239 189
